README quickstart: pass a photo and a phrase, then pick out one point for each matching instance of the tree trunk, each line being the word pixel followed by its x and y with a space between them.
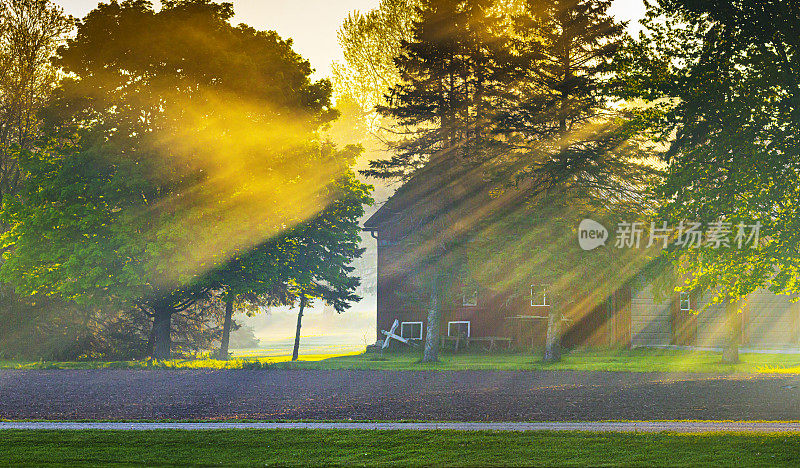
pixel 296 351
pixel 552 348
pixel 162 341
pixel 226 327
pixel 566 64
pixel 431 353
pixel 730 351
pixel 151 342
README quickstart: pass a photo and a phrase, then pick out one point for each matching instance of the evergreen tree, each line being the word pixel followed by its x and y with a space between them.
pixel 562 129
pixel 569 45
pixel 569 148
pixel 453 73
pixel 511 104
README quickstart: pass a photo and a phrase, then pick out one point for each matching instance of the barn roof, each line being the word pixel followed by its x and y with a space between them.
pixel 441 187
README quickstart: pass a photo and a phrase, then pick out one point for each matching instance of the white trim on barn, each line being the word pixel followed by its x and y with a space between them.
pixel 542 291
pixel 686 301
pixel 458 322
pixel 471 299
pixel 403 334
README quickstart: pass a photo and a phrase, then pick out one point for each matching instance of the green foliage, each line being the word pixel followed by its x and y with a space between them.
pixel 319 249
pixel 180 151
pixel 453 72
pixel 370 43
pixel 324 248
pixel 521 92
pixel 567 137
pixel 30 33
pixel 721 97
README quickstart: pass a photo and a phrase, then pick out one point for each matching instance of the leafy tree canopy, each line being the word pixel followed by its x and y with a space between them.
pixel 177 142
pixel 719 82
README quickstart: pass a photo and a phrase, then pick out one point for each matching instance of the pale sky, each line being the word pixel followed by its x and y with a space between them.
pixel 312 24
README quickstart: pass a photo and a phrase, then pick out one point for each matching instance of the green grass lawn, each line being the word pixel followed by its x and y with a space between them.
pixel 640 360
pixel 396 448
pixel 248 361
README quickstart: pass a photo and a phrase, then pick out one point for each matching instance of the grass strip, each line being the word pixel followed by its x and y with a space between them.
pixel 395 448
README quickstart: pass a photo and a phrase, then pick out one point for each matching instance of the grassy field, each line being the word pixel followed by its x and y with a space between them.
pixel 640 360
pixel 398 448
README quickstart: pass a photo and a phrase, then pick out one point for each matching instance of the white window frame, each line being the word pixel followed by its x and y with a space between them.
pixel 411 337
pixel 544 295
pixel 470 300
pixel 688 301
pixel 469 326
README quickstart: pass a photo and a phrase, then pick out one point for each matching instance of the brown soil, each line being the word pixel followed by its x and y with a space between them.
pixel 382 395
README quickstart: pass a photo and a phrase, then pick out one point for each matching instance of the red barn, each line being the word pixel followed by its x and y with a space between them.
pixel 452 205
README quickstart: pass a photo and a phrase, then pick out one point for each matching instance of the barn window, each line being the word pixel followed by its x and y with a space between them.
pixel 411 330
pixel 458 328
pixel 539 295
pixel 686 301
pixel 470 297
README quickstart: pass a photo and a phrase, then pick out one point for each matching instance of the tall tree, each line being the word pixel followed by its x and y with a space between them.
pixel 324 249
pixel 306 262
pixel 178 141
pixel 568 147
pixel 720 83
pixel 453 74
pixel 521 99
pixel 370 43
pixel 563 126
pixel 30 32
